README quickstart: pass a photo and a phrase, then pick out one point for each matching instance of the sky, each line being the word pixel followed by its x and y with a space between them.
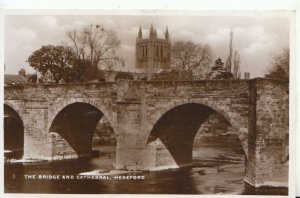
pixel 257 35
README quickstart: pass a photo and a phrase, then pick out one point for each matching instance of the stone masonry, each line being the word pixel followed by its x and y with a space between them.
pixel 155 122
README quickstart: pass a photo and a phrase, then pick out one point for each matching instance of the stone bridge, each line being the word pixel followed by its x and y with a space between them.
pixel 61 118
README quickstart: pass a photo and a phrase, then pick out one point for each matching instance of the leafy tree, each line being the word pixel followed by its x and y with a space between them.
pixel 280 66
pixel 219 72
pixel 32 78
pixel 96 45
pixel 85 72
pixel 55 63
pixel 190 59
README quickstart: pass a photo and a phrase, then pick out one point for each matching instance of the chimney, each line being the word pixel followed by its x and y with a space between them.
pixel 22 72
pixel 246 75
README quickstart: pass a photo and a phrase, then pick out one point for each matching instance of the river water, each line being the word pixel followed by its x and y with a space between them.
pixel 216 170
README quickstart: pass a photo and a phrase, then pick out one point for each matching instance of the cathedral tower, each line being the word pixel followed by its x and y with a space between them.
pixel 153 53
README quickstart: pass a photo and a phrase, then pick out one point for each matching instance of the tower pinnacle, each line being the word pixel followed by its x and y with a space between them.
pixel 167 34
pixel 140 34
pixel 155 33
pixel 151 34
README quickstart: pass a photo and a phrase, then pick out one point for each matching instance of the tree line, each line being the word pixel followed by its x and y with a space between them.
pixel 94 46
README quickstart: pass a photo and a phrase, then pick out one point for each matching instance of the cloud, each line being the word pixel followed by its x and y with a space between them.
pixel 184 35
pixel 256 50
pixel 261 41
pixel 18 46
pixel 47 21
pixel 254 43
pixel 218 37
pixel 127 47
pixel 23 33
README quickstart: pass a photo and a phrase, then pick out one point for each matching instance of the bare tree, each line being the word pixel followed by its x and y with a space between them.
pixel 233 59
pixel 236 65
pixel 95 44
pixel 229 60
pixel 190 59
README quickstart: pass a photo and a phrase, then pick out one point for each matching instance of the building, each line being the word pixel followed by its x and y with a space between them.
pixel 153 53
pixel 21 79
pixel 113 75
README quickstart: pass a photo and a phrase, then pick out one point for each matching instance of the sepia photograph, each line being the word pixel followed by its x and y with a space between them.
pixel 147 102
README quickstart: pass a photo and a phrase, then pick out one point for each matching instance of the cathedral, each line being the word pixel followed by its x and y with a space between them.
pixel 153 53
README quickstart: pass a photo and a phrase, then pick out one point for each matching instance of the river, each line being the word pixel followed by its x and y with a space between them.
pixel 216 170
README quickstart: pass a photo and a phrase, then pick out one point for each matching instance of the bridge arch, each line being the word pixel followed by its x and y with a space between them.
pixel 62 103
pixel 75 123
pixel 13 132
pixel 16 108
pixel 223 109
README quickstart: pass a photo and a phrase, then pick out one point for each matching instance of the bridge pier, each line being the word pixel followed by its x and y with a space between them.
pixel 153 156
pixel 135 157
pixel 37 147
pixel 267 164
pixel 132 151
pixel 36 143
pixel 60 148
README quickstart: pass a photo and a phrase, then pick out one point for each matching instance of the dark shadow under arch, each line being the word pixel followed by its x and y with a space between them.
pixel 177 128
pixel 216 134
pixel 76 123
pixel 13 133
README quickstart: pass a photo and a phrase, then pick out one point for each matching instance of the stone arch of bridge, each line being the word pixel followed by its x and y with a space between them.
pixel 13 132
pixel 16 108
pixel 75 122
pixel 62 103
pixel 233 118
